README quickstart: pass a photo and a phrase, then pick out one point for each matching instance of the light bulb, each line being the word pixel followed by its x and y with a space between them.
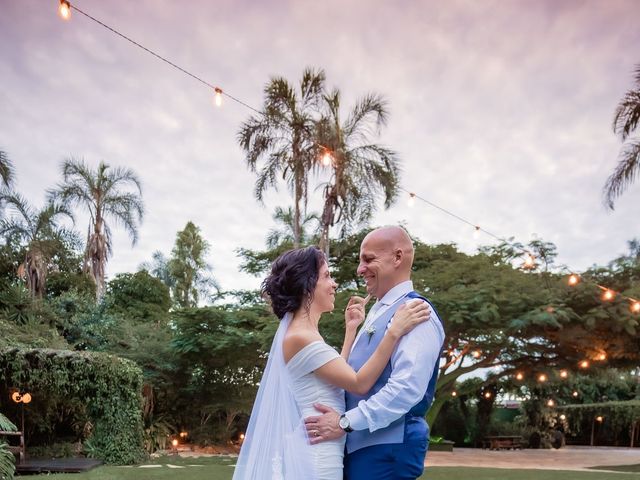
pixel 476 232
pixel 412 200
pixel 454 394
pixel 564 374
pixel 608 295
pixel 542 378
pixel 635 307
pixel 563 417
pixel 218 97
pixel 519 376
pixel 64 9
pixel 573 279
pixel 550 403
pixel 326 159
pixel 584 364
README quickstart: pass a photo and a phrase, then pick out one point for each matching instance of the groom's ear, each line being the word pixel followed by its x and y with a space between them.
pixel 398 256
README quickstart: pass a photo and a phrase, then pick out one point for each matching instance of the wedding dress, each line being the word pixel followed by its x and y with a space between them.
pixel 276 446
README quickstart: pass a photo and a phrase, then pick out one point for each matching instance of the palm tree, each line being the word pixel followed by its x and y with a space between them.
pixel 283 136
pixel 102 192
pixel 6 170
pixel 41 233
pixel 362 171
pixel 625 122
pixel 285 234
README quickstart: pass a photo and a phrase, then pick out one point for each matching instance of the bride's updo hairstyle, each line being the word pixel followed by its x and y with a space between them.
pixel 293 279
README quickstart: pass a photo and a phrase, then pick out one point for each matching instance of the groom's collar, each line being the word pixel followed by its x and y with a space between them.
pixel 397 292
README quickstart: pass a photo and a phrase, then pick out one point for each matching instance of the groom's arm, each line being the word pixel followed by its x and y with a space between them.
pixel 411 366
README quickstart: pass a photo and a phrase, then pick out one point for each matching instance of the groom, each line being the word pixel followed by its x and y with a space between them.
pixel 387 435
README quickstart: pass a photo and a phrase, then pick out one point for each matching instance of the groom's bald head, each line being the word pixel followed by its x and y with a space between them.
pixel 386 256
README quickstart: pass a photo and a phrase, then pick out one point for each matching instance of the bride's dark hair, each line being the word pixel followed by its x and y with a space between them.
pixel 293 279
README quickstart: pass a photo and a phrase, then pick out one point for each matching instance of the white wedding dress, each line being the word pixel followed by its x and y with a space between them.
pixel 309 389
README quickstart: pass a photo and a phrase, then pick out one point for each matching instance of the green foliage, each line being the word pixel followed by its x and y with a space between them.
pixel 109 387
pixel 16 304
pixel 189 268
pixel 617 416
pixel 220 356
pixel 139 297
pixel 7 462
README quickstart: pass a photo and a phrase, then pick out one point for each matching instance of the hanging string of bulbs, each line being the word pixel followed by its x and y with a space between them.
pixel 65 8
pixel 573 279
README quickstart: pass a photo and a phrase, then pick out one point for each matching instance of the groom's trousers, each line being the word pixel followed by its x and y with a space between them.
pixel 393 461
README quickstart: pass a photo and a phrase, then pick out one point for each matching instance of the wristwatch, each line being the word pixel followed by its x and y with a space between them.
pixel 345 424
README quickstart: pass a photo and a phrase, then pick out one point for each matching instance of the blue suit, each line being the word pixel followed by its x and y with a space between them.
pixel 391 436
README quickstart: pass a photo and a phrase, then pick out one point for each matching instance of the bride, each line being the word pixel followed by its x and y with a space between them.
pixel 303 370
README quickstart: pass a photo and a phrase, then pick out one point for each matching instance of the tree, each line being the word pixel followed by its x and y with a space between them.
pixel 283 136
pixel 40 232
pixel 159 267
pixel 286 233
pixel 103 193
pixel 625 121
pixel 189 268
pixel 362 171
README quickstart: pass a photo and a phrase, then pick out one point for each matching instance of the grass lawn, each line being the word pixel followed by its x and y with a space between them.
pixel 621 468
pixel 219 469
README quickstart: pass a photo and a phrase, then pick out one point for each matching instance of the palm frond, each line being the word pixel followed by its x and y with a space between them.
pixel 6 169
pixel 624 174
pixel 627 114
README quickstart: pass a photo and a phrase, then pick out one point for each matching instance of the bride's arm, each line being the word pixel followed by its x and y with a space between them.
pixel 339 373
pixel 353 317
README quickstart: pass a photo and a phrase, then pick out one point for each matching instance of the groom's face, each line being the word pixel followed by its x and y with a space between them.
pixel 376 265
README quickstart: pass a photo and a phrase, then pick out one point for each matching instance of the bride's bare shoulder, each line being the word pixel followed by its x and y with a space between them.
pixel 295 340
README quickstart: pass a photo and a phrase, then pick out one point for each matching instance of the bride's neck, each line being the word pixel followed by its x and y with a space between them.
pixel 304 317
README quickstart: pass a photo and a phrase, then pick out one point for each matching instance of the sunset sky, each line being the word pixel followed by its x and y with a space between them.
pixel 500 111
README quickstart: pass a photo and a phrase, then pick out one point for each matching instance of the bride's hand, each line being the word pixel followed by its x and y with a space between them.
pixel 409 316
pixel 354 313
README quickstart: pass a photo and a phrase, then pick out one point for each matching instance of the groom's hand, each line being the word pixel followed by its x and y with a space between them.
pixel 324 427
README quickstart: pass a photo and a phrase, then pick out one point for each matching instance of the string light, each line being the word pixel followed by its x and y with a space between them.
pixel 65 12
pixel 476 232
pixel 573 279
pixel 599 419
pixel 529 262
pixel 412 199
pixel 564 374
pixel 487 394
pixel 454 394
pixel 584 364
pixel 64 9
pixel 550 403
pixel 475 354
pixel 519 376
pixel 635 306
pixel 563 417
pixel 542 378
pixel 608 294
pixel 602 357
pixel 575 394
pixel 218 96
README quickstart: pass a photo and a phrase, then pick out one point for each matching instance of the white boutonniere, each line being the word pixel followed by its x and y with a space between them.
pixel 370 330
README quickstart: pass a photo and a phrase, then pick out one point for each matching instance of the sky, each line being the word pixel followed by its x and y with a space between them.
pixel 500 111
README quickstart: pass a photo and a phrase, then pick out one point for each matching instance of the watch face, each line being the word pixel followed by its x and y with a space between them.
pixel 344 422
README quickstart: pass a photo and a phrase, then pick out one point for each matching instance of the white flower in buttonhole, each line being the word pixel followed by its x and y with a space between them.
pixel 370 330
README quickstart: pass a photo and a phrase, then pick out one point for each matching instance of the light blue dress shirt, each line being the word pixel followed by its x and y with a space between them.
pixel 416 353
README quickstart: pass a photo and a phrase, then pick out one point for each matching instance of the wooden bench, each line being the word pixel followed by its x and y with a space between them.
pixel 501 442
pixel 18 450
